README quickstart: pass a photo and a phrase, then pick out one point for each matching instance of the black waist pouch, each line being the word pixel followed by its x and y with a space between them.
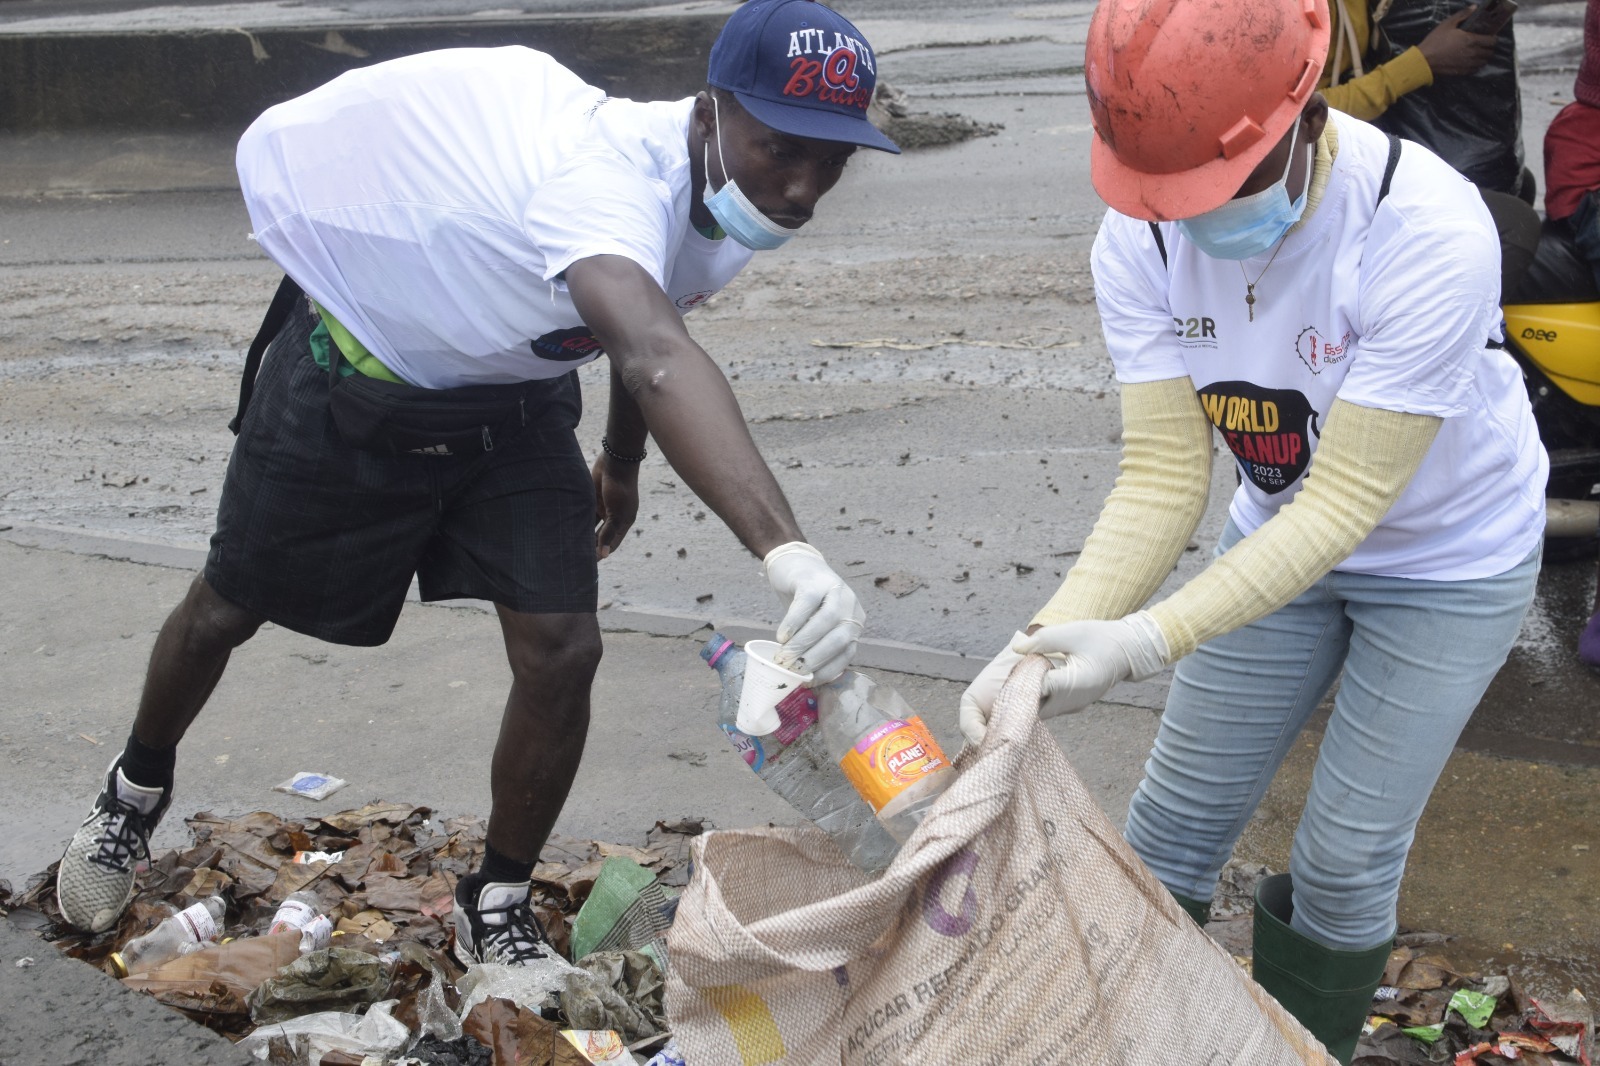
pixel 392 417
pixel 388 416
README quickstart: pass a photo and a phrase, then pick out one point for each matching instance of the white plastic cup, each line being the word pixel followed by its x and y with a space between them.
pixel 766 684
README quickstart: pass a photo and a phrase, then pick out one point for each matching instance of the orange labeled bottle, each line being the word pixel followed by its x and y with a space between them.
pixel 884 749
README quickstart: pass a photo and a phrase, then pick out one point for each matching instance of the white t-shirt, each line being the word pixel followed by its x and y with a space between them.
pixel 430 203
pixel 1385 306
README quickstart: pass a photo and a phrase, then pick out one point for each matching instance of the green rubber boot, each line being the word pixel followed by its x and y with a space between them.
pixel 1199 910
pixel 1329 991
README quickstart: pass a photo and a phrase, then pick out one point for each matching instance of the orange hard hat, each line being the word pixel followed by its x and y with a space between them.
pixel 1188 96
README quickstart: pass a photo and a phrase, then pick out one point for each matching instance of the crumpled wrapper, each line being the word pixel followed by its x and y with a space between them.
pixel 589 998
pixel 332 979
pixel 625 995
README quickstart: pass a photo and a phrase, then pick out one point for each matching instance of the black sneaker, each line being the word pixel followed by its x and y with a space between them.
pixel 95 879
pixel 500 927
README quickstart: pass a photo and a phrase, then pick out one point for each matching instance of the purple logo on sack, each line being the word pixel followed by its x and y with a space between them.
pixel 934 911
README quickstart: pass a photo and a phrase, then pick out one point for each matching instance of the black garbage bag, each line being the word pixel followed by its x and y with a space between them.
pixel 1474 123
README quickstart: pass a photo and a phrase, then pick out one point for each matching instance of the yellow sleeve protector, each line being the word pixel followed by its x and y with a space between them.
pixel 1152 512
pixel 1365 459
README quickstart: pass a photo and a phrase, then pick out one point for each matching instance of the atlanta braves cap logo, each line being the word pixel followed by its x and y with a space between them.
pixel 801 68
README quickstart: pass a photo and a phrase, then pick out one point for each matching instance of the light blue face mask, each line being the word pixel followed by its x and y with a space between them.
pixel 1249 225
pixel 734 212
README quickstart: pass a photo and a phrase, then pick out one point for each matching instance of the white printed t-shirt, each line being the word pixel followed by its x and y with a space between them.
pixel 1388 307
pixel 430 203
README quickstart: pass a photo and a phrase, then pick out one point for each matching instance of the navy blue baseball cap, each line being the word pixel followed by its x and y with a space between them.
pixel 800 68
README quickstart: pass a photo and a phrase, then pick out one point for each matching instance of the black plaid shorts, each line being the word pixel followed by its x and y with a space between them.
pixel 323 538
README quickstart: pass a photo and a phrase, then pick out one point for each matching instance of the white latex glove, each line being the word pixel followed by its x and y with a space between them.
pixel 977 703
pixel 823 618
pixel 1097 656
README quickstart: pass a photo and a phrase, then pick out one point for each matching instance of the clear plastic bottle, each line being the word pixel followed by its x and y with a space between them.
pixel 298 914
pixel 189 929
pixel 239 964
pixel 795 763
pixel 884 749
pixel 295 912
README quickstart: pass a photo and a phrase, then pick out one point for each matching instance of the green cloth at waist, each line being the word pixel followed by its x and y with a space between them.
pixel 357 360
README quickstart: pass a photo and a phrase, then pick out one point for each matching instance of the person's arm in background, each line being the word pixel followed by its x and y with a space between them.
pixel 1447 51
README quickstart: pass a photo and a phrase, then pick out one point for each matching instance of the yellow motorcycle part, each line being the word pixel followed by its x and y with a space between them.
pixel 1563 340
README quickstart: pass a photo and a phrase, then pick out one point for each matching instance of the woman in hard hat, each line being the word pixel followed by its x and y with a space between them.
pixel 1326 299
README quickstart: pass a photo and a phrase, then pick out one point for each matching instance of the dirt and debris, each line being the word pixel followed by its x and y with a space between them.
pixel 388 988
pixel 891 112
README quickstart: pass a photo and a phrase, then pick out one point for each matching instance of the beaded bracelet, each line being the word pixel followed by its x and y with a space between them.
pixel 618 456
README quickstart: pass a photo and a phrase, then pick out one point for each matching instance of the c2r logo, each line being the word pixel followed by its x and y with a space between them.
pixel 1197 327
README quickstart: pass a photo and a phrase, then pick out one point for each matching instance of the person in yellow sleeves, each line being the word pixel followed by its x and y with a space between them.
pixel 1358 82
pixel 1325 300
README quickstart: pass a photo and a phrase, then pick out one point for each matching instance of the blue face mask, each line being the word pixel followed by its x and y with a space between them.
pixel 1249 225
pixel 734 212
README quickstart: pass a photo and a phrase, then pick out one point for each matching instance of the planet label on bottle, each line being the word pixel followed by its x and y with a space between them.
pixel 891 758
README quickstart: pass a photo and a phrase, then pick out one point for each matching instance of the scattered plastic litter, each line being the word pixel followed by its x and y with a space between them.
pixel 1427 1012
pixel 359 969
pixel 383 987
pixel 311 1037
pixel 311 786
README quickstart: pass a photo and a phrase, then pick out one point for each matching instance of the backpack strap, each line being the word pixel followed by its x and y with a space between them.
pixel 277 314
pixel 1388 170
pixel 1161 245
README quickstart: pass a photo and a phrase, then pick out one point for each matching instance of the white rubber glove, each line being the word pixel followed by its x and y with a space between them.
pixel 823 618
pixel 1097 656
pixel 977 703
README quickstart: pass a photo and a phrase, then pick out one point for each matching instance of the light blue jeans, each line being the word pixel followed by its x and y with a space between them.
pixel 1417 657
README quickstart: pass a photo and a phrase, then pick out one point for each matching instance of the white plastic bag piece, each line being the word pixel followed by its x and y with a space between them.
pixel 311 785
pixel 376 1032
pixel 529 985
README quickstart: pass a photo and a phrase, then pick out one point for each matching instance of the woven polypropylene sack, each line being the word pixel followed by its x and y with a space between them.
pixel 1015 926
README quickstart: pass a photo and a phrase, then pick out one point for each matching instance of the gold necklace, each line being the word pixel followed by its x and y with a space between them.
pixel 1250 286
